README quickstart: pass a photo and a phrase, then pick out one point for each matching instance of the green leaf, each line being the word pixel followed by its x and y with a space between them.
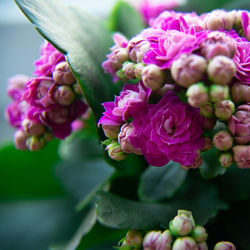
pixel 84 41
pixel 28 175
pixel 211 166
pixel 84 178
pixel 161 183
pixel 125 19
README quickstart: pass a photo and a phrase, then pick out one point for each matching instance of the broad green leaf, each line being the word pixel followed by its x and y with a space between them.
pixel 237 4
pixel 35 225
pixel 211 166
pixel 125 19
pixel 25 174
pixel 161 183
pixel 83 178
pixel 84 41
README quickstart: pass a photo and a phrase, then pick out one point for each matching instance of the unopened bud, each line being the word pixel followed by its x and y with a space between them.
pixel 184 243
pixel 218 93
pixel 134 238
pixel 63 75
pixel 188 69
pixel 202 246
pixel 33 128
pixel 240 92
pixel 111 131
pixel 207 144
pixel 152 77
pixel 64 95
pixel 197 162
pixel 207 110
pixel 223 141
pixel 35 143
pixel 137 47
pixel 20 138
pixel 208 123
pixel 115 152
pixel 129 70
pixel 77 89
pixel 199 234
pixel 138 70
pixel 226 160
pixel 48 136
pixel 221 70
pixel 224 109
pixel 224 245
pixel 118 57
pixel 242 156
pixel 197 95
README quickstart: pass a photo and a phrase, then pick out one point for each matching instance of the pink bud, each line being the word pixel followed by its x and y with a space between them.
pixel 20 140
pixel 63 75
pixel 242 156
pixel 197 95
pixel 152 77
pixel 184 243
pixel 207 144
pixel 226 160
pixel 111 131
pixel 129 70
pixel 240 92
pixel 221 70
pixel 64 95
pixel 33 128
pixel 223 141
pixel 181 225
pixel 188 69
pixel 118 57
pixel 224 245
pixel 202 246
pixel 134 239
pixel 197 162
pixel 224 109
pixel 207 110
pixel 218 93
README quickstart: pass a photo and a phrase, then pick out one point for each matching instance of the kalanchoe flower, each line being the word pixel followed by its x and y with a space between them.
pixel 239 124
pixel 20 138
pixel 224 109
pixel 134 239
pixel 218 93
pixel 132 100
pixel 170 130
pixel 184 243
pixel 188 69
pixel 207 110
pixel 245 19
pixel 115 152
pixel 157 240
pixel 197 95
pixel 240 93
pixel 242 156
pixel 224 245
pixel 221 70
pixel 223 141
pixel 218 43
pixel 199 234
pixel 111 131
pixel 226 160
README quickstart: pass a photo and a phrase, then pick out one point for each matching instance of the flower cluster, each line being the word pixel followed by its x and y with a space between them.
pixel 182 57
pixel 46 105
pixel 183 234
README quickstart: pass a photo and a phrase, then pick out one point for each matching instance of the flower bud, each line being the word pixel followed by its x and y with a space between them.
pixel 115 152
pixel 111 131
pixel 197 162
pixel 223 141
pixel 224 109
pixel 137 48
pixel 208 123
pixel 64 95
pixel 129 70
pixel 207 110
pixel 221 70
pixel 123 138
pixel 218 19
pixel 157 240
pixel 134 238
pixel 242 156
pixel 77 89
pixel 218 93
pixel 207 144
pixel 20 138
pixel 239 124
pixel 199 234
pixel 48 136
pixel 152 77
pixel 226 160
pixel 184 243
pixel 138 70
pixel 202 246
pixel 118 57
pixel 197 95
pixel 35 143
pixel 63 75
pixel 224 245
pixel 33 128
pixel 188 69
pixel 217 43
pixel 240 92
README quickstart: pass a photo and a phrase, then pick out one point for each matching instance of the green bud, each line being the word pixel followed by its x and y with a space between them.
pixel 128 69
pixel 134 238
pixel 197 95
pixel 199 234
pixel 224 109
pixel 115 152
pixel 226 160
pixel 35 143
pixel 207 110
pixel 218 93
pixel 184 243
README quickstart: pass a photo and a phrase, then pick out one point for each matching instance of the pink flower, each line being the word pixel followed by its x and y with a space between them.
pixel 50 57
pixel 245 19
pixel 170 130
pixel 242 62
pixel 132 100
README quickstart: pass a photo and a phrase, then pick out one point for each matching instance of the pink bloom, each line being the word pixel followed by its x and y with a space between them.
pixel 132 100
pixel 170 130
pixel 50 57
pixel 245 19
